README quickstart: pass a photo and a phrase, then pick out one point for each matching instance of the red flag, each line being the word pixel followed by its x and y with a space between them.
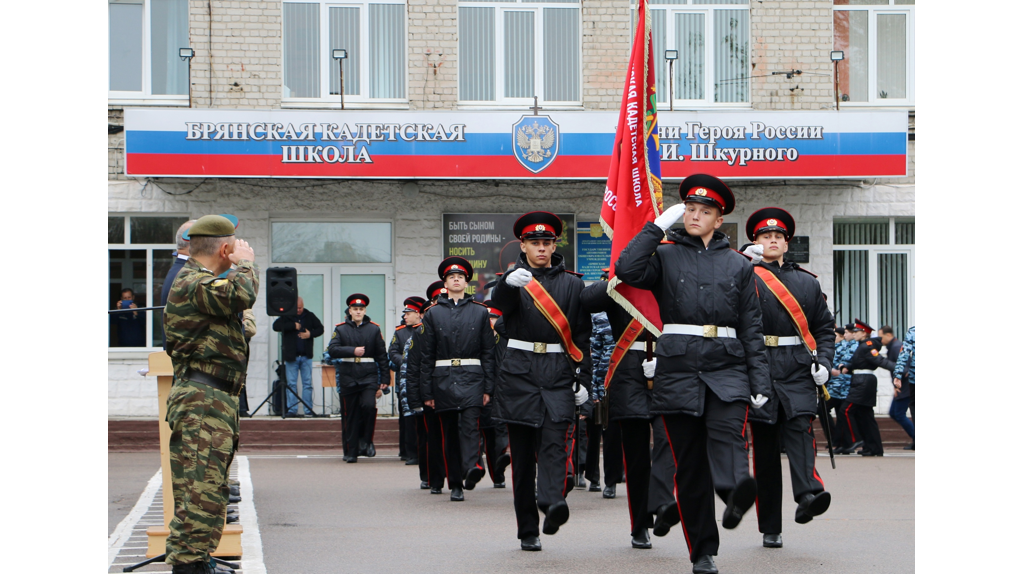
pixel 632 196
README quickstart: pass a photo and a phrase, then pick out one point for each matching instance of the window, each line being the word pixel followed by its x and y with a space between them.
pixel 373 34
pixel 511 51
pixel 714 73
pixel 145 36
pixel 140 252
pixel 873 272
pixel 326 242
pixel 877 39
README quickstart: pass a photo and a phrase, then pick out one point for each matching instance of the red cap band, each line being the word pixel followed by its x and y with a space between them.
pixel 455 268
pixel 358 302
pixel 538 228
pixel 705 192
pixel 771 222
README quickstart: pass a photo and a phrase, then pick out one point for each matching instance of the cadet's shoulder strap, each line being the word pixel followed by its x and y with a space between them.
pixel 553 313
pixel 790 304
pixel 622 346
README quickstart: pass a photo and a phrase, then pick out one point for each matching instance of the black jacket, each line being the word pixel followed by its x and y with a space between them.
pixel 172 273
pixel 500 346
pixel 532 384
pixel 456 331
pixel 398 340
pixel 290 335
pixel 695 285
pixel 628 397
pixel 864 387
pixel 792 385
pixel 372 368
pixel 413 393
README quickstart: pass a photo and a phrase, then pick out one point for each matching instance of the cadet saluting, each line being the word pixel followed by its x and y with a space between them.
pixel 792 307
pixel 710 359
pixel 534 394
pixel 206 342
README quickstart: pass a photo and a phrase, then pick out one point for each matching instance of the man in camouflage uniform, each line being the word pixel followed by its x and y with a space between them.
pixel 903 380
pixel 601 345
pixel 845 435
pixel 206 342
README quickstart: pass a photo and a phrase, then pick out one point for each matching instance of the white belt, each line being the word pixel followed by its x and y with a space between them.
pixel 642 346
pixel 356 359
pixel 456 362
pixel 699 330
pixel 863 371
pixel 776 341
pixel 535 347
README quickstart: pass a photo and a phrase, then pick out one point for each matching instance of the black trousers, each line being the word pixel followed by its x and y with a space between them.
pixel 612 453
pixel 460 437
pixel 429 449
pixel 864 417
pixel 727 442
pixel 842 426
pixel 407 430
pixel 495 441
pixel 797 435
pixel 540 462
pixel 694 488
pixel 636 457
pixel 358 418
pixel 402 453
pixel 663 469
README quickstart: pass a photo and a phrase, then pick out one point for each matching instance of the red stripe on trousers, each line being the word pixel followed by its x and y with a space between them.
pixel 571 470
pixel 846 413
pixel 814 453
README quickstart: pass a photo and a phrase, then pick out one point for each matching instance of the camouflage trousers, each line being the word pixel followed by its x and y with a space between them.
pixel 204 435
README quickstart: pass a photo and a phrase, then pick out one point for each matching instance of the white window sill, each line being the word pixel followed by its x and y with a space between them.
pixel 131 355
pixel 901 104
pixel 690 106
pixel 175 101
pixel 334 104
pixel 523 107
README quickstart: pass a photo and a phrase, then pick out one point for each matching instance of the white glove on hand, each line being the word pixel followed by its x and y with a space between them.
pixel 519 278
pixel 820 374
pixel 649 367
pixel 758 401
pixel 755 253
pixel 884 351
pixel 670 216
pixel 582 395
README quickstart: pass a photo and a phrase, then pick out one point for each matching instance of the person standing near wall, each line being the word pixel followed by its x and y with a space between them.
pixel 297 334
pixel 864 385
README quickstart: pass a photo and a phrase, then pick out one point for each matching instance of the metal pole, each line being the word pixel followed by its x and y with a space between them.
pixel 341 72
pixel 836 62
pixel 190 82
pixel 671 85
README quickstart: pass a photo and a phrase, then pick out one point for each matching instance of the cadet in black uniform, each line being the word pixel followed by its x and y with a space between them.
pixel 428 429
pixel 495 434
pixel 864 386
pixel 785 421
pixel 362 375
pixel 411 314
pixel 534 394
pixel 457 372
pixel 711 362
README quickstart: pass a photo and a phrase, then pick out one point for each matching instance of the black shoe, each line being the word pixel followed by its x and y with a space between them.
pixel 855 446
pixel 666 517
pixel 349 458
pixel 530 544
pixel 412 462
pixel 594 487
pixel 370 451
pixel 424 485
pixel 609 491
pixel 642 540
pixel 472 477
pixel 435 490
pixel 499 484
pixel 740 500
pixel 869 453
pixel 311 415
pixel 705 565
pixel 457 495
pixel 812 505
pixel 843 450
pixel 234 490
pixel 403 458
pixel 772 541
pixel 234 499
pixel 556 515
pixel 222 569
pixel 232 519
pixel 192 568
pixel 232 512
pixel 502 463
pixel 909 446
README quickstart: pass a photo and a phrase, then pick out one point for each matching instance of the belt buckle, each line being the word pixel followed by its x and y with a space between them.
pixel 456 362
pixel 710 330
pixel 771 340
pixel 540 347
pixel 357 359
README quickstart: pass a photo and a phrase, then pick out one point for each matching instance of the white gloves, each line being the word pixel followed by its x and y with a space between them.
pixel 670 216
pixel 820 374
pixel 582 395
pixel 884 351
pixel 519 278
pixel 755 252
pixel 649 367
pixel 758 401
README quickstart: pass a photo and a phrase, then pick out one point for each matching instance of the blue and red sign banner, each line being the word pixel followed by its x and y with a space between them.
pixel 742 144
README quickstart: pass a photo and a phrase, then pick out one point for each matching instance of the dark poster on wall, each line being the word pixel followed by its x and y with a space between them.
pixel 799 249
pixel 487 242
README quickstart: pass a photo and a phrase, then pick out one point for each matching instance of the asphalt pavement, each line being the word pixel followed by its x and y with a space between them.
pixel 127 475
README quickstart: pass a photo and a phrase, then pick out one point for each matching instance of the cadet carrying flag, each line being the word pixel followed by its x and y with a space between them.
pixel 632 196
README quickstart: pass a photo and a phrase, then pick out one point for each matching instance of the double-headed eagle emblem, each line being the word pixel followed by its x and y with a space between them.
pixel 535 141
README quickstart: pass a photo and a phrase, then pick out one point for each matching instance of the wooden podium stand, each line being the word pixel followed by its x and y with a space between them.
pixel 231 540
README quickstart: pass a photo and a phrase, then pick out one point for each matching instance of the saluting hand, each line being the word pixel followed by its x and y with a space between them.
pixel 242 252
pixel 670 216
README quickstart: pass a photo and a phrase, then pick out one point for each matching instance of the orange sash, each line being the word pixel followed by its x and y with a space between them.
pixel 796 313
pixel 553 313
pixel 622 346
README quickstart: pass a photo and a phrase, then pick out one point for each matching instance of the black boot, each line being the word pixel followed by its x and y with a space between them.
pixel 424 485
pixel 435 490
pixel 772 541
pixel 739 502
pixel 501 464
pixel 472 477
pixel 556 515
pixel 705 565
pixel 666 517
pixel 812 505
pixel 457 495
pixel 530 543
pixel 642 540
pixel 595 487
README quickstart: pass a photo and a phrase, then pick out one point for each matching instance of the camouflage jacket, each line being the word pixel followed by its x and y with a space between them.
pixel 203 323
pixel 905 360
pixel 403 396
pixel 601 345
pixel 839 386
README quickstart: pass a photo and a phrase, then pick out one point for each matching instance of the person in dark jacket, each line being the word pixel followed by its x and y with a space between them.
pixel 536 388
pixel 297 334
pixel 362 376
pixel 493 433
pixel 411 315
pixel 429 449
pixel 457 372
pixel 181 255
pixel 785 420
pixel 710 360
pixel 871 354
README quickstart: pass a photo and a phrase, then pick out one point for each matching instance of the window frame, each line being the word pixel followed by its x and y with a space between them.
pixel 501 102
pixel 874 11
pixel 363 100
pixel 145 97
